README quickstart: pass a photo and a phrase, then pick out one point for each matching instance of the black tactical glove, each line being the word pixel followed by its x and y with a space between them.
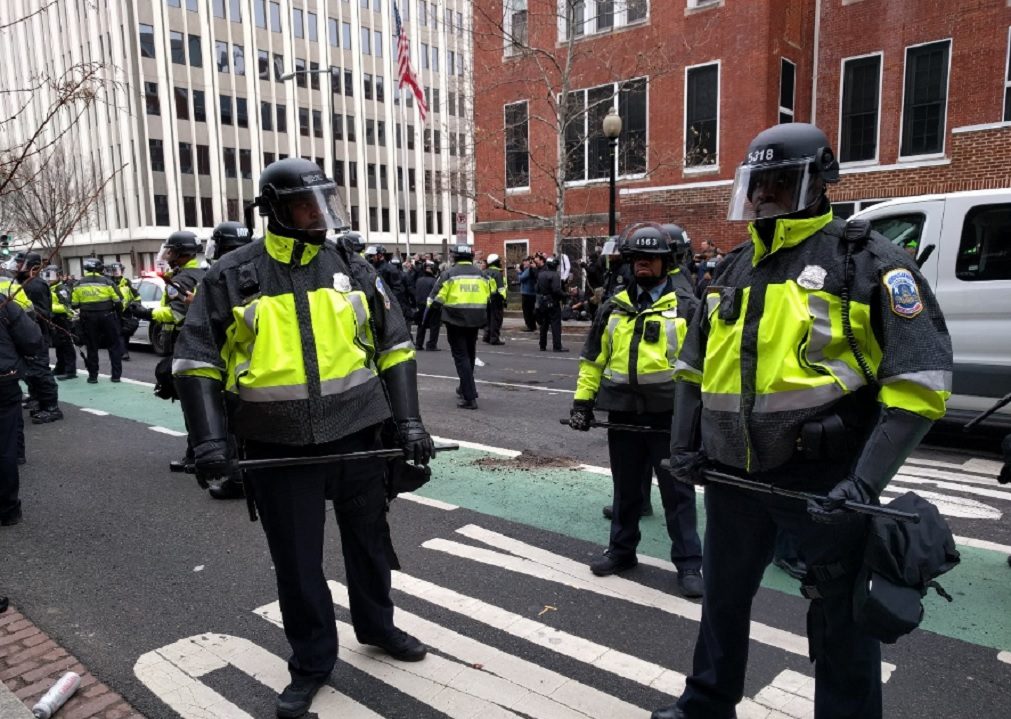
pixel 402 388
pixel 139 311
pixel 688 460
pixel 1005 474
pixel 894 437
pixel 212 460
pixel 581 415
pixel 832 509
pixel 417 442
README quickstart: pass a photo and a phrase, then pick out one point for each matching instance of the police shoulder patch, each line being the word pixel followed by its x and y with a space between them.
pixel 903 293
pixel 382 291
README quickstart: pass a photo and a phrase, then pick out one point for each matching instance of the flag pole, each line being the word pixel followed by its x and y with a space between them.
pixel 406 175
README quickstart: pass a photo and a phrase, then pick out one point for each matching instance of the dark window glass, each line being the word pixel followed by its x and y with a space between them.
pixel 182 97
pixel 338 126
pixel 383 182
pixel 859 131
pixel 516 138
pixel 314 75
pixel 410 137
pixel 196 56
pixel 266 116
pixel 354 217
pixel 268 157
pixel 300 72
pixel 275 17
pixel 226 109
pixel 157 154
pixel 317 123
pixel 599 102
pixel 787 83
pixel 985 250
pixel 189 211
pixel 263 64
pixel 199 106
pixel 370 132
pixel 161 211
pixel 239 59
pixel 151 102
pixel 303 121
pixel 352 174
pixel 702 121
pixel 260 13
pixel 146 40
pixel 221 56
pixel 632 142
pixel 207 211
pixel 282 118
pixel 381 133
pixel 380 91
pixel 926 99
pixel 278 67
pixel 228 155
pixel 246 164
pixel 636 10
pixel 605 14
pixel 367 85
pixel 241 112
pixel 177 47
pixel 232 209
pixel 575 137
pixel 350 128
pixel 370 173
pixel 186 159
pixel 203 159
pixel 349 83
pixel 338 173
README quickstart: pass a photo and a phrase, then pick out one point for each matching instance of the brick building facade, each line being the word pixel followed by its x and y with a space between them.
pixel 912 96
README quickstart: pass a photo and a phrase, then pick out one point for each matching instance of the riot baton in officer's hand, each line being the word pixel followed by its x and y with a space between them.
pixel 763 488
pixel 274 462
pixel 623 427
pixel 1006 399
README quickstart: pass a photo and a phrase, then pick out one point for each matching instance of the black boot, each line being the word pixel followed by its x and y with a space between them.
pixel 227 489
pixel 296 698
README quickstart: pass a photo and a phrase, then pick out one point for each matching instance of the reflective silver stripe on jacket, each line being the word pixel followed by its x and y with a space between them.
pixel 721 402
pixel 821 335
pixel 273 394
pixel 799 398
pixel 181 365
pixel 936 380
pixel 340 385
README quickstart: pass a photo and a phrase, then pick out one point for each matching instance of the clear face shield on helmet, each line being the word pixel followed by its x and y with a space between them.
pixel 10 265
pixel 114 269
pixel 51 275
pixel 316 208
pixel 773 189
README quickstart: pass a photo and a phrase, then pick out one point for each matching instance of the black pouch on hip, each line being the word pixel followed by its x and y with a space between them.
pixel 651 331
pixel 730 304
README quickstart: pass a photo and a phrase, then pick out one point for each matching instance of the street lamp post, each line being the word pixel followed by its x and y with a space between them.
pixel 612 128
pixel 329 71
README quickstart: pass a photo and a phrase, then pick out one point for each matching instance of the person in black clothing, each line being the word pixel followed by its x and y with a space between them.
pixel 427 319
pixel 63 341
pixel 392 277
pixel 618 274
pixel 20 338
pixel 44 396
pixel 549 305
pixel 496 302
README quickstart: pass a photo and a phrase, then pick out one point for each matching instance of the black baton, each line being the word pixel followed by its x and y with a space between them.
pixel 272 462
pixel 623 427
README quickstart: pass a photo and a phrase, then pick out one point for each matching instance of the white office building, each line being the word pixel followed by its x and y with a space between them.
pixel 198 108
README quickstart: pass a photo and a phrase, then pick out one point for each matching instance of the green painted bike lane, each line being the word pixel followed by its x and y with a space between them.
pixel 568 501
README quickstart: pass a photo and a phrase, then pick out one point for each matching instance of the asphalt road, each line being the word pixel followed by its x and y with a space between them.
pixel 168 596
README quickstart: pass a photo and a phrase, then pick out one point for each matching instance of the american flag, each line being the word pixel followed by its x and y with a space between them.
pixel 404 70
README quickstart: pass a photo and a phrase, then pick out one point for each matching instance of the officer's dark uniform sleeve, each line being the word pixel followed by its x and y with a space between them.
pixel 198 350
pixel 916 360
pixel 393 339
pixel 24 331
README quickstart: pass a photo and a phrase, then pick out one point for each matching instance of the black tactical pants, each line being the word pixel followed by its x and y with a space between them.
pixel 10 483
pixel 740 535
pixel 430 321
pixel 463 345
pixel 101 329
pixel 633 455
pixel 528 304
pixel 496 313
pixel 39 378
pixel 549 316
pixel 66 356
pixel 292 507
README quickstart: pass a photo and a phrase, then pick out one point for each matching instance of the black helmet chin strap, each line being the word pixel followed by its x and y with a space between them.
pixel 249 214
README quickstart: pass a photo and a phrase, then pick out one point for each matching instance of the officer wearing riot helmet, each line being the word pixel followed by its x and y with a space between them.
pixel 618 275
pixel 627 369
pixel 116 271
pixel 680 249
pixel 817 360
pixel 428 319
pixel 44 395
pixel 100 303
pixel 63 341
pixel 461 295
pixel 548 309
pixel 332 363
pixel 181 280
pixel 393 279
pixel 496 302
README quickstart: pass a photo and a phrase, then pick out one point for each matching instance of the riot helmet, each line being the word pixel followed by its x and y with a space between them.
pixel 462 253
pixel 551 263
pixel 227 236
pixel 93 264
pixel 784 172
pixel 300 200
pixel 26 262
pixel 396 261
pixel 51 274
pixel 680 245
pixel 179 248
pixel 646 241
pixel 430 267
pixel 355 241
pixel 494 260
pixel 114 269
pixel 370 253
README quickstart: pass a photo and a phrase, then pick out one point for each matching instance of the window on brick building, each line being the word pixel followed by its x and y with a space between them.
pixel 605 14
pixel 858 129
pixel 632 142
pixel 517 160
pixel 587 150
pixel 515 25
pixel 787 89
pixel 925 100
pixel 1007 83
pixel 702 93
pixel 588 17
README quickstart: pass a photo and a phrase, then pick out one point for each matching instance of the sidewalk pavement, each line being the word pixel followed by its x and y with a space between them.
pixel 11 707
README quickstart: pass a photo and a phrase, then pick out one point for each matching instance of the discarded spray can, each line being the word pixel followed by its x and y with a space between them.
pixel 57 695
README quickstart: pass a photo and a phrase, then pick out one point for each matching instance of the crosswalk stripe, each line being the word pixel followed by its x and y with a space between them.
pixel 952 505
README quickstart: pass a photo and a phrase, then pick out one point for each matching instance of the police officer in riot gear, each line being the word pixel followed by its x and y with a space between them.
pixel 292 295
pixel 42 387
pixel 680 249
pixel 461 295
pixel 100 303
pixel 428 318
pixel 496 302
pixel 618 275
pixel 548 309
pixel 817 360
pixel 627 369
pixel 116 271
pixel 63 342
pixel 392 278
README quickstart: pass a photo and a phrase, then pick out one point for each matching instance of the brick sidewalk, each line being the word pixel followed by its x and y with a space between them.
pixel 31 662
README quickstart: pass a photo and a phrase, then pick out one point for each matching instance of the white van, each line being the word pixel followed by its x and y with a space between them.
pixel 964 246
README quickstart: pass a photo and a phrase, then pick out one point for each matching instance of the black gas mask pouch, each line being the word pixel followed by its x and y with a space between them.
pixel 731 299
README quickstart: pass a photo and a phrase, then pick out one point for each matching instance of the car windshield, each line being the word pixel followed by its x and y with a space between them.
pixel 149 292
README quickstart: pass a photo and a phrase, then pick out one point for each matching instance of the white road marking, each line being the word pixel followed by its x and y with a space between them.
pixel 962 479
pixel 173 674
pixel 510 453
pixel 434 503
pixel 790 693
pixel 983 544
pixel 953 506
pixel 987 467
pixel 596 655
pixel 501 384
pixel 532 561
pixel 1004 657
pixel 166 430
pixel 97 412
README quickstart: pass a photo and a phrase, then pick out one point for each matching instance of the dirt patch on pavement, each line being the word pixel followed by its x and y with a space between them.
pixel 526 460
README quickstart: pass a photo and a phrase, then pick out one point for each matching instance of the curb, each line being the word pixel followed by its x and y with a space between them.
pixel 31 662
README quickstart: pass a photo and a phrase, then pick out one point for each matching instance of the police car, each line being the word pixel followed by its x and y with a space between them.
pixel 150 288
